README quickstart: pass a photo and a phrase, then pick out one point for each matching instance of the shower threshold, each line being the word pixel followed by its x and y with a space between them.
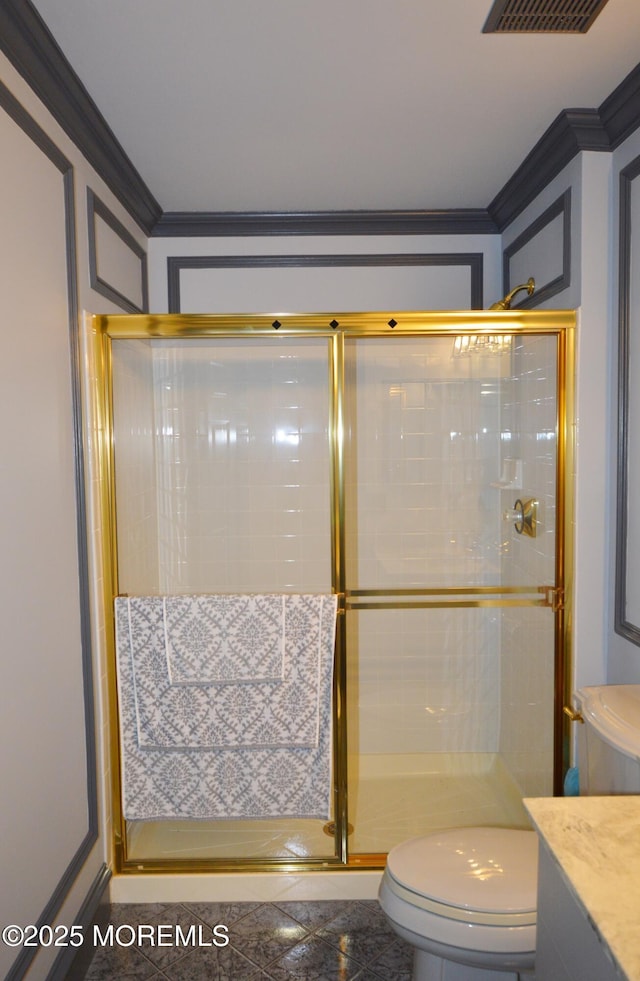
pixel 392 798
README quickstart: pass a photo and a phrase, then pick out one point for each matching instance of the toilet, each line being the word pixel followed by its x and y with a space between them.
pixel 465 898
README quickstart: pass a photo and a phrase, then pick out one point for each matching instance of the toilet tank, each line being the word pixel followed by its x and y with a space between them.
pixel 609 740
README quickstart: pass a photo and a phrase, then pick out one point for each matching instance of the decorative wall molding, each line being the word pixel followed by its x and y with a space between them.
pixel 26 41
pixel 18 114
pixel 620 112
pixel 455 222
pixel 544 291
pixel 474 260
pixel 30 47
pixel 572 131
pixel 97 209
pixel 628 363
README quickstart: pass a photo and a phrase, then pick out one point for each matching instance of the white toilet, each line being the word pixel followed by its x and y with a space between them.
pixel 466 898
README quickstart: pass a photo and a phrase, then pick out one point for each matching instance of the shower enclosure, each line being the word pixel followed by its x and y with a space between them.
pixel 417 466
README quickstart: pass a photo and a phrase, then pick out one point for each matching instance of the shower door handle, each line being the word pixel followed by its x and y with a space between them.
pixel 524 515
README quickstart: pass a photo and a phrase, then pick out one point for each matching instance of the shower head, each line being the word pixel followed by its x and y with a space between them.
pixel 505 304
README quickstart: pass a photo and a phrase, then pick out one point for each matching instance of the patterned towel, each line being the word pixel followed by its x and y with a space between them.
pixel 223 639
pixel 233 782
pixel 262 714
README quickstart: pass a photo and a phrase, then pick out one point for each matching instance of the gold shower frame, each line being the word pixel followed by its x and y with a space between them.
pixel 336 328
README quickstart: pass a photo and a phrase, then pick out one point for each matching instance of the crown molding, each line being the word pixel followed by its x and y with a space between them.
pixel 225 223
pixel 30 47
pixel 572 130
pixel 32 50
pixel 620 112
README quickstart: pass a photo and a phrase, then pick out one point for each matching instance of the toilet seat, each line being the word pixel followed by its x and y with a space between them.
pixel 471 888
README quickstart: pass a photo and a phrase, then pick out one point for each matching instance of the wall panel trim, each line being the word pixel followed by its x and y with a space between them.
pixel 72 962
pixel 97 209
pixel 544 291
pixel 474 260
pixel 622 623
pixel 27 124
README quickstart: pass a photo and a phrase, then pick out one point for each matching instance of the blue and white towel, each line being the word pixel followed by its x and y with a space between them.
pixel 225 638
pixel 285 712
pixel 238 780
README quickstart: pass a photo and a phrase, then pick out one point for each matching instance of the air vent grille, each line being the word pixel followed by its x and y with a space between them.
pixel 542 16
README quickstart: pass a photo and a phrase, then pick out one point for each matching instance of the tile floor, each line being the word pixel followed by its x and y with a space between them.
pixel 311 941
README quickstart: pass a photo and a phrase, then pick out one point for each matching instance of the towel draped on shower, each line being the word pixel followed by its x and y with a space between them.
pixel 222 639
pixel 225 705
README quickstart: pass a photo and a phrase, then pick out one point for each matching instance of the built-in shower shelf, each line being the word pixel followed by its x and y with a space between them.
pixel 511 475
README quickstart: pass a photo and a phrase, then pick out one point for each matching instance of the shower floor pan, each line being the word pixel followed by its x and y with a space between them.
pixel 392 798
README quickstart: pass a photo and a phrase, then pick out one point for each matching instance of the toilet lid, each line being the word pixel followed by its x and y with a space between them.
pixel 483 869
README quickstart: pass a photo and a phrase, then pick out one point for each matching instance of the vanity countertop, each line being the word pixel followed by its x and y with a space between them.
pixel 596 843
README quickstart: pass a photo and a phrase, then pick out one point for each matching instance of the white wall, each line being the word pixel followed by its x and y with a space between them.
pixel 593 501
pixel 323 289
pixel 53 844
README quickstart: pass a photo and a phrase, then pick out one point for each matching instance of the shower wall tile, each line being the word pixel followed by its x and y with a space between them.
pixel 530 419
pixel 426 451
pixel 418 513
pixel 425 681
pixel 242 503
pixel 240 456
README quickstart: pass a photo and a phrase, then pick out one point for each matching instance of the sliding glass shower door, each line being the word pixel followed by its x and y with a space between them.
pixel 223 486
pixel 450 620
pixel 418 470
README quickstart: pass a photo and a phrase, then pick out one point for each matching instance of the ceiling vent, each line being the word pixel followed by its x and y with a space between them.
pixel 542 16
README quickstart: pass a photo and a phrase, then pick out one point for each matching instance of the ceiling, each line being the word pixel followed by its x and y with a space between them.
pixel 331 105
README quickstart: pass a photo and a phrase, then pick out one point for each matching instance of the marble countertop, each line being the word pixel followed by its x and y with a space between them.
pixel 596 842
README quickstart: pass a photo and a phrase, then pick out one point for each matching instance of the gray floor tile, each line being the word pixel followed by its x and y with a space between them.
pixel 225 913
pixel 314 960
pixel 265 934
pixel 361 932
pixel 395 963
pixel 216 964
pixel 175 945
pixel 314 914
pixel 324 940
pixel 126 963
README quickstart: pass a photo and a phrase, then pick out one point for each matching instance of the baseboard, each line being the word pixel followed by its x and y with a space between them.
pixel 73 962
